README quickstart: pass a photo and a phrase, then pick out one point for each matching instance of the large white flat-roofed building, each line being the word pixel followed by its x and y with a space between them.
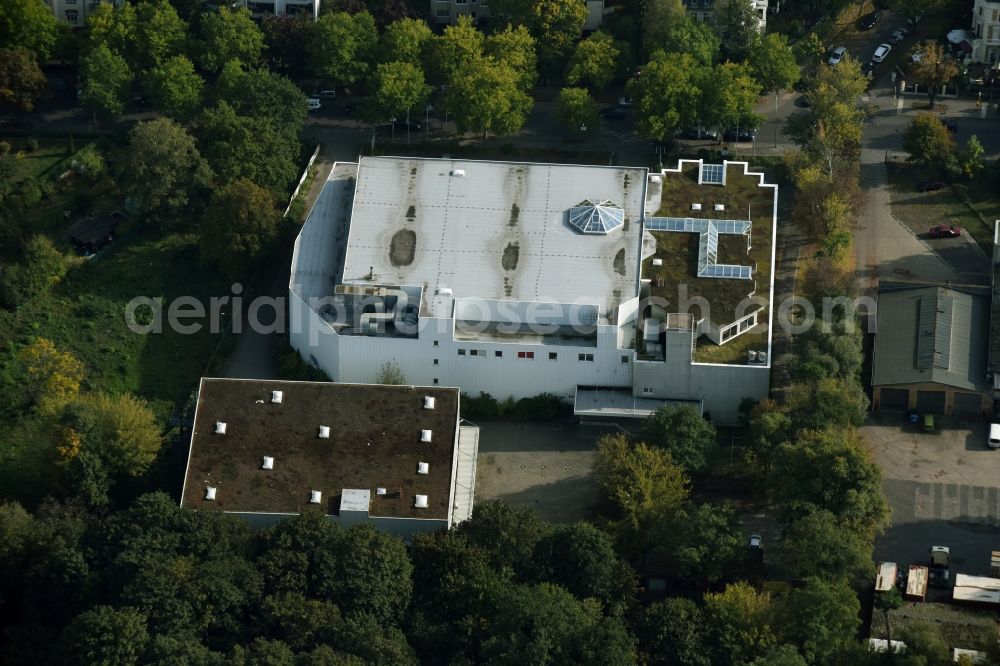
pixel 395 456
pixel 516 279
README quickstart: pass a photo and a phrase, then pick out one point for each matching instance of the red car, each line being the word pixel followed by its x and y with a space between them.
pixel 945 231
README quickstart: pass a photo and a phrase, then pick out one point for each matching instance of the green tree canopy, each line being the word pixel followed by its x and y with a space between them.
pixel 817 545
pixel 729 95
pixel 698 543
pixel 556 24
pixel 406 40
pixel 262 95
pixel 41 267
pixel 736 24
pixel 515 47
pixel 828 402
pixel 114 27
pixel 342 47
pixel 373 574
pixel 162 170
pixel 821 619
pixel 576 110
pixel 227 35
pixel 740 622
pixel 238 228
pixel 681 431
pixel 286 39
pixel 485 95
pixel 106 81
pixel 29 24
pixel 398 87
pixel 175 88
pixel 928 141
pixel 772 62
pixel 582 559
pixel 595 61
pixel 667 94
pixel 21 79
pixel 507 534
pixel 456 46
pixel 160 33
pixel 51 377
pixel 669 27
pixel 673 633
pixel 106 636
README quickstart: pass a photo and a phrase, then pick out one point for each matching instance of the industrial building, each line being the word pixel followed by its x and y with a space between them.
pixel 615 289
pixel 395 456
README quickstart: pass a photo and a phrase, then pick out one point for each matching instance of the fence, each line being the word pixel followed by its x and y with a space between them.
pixel 305 174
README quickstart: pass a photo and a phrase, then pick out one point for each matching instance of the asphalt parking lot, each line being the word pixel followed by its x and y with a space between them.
pixel 547 466
pixel 944 489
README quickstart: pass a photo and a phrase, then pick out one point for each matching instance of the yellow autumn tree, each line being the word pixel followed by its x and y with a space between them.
pixel 52 377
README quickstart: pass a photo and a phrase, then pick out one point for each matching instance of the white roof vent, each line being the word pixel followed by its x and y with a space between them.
pixel 268 463
pixel 657 262
pixel 276 397
pixel 695 206
pixel 315 497
pixel 458 173
pixel 655 178
pixel 420 502
pixel 425 435
pixel 380 491
pixel 210 493
pixel 423 468
pixel 443 291
pixel 220 427
pixel 428 402
pixel 324 432
pixel 720 207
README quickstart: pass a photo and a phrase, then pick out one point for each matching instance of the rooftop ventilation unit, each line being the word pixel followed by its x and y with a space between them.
pixel 210 493
pixel 276 397
pixel 420 502
pixel 315 497
pixel 324 432
pixel 443 291
pixel 428 402
pixel 220 427
pixel 656 178
pixel 458 173
pixel 695 206
pixel 657 262
pixel 423 468
pixel 425 435
pixel 720 207
pixel 380 491
pixel 268 463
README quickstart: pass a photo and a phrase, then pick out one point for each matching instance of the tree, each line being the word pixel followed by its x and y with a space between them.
pixel 673 633
pixel 458 44
pixel 106 81
pixel 668 26
pixel 684 433
pixel 640 481
pixel 114 27
pixel 666 94
pixel 595 61
pixel 556 24
pixel 769 426
pixel 300 622
pixel 576 109
pixel 375 641
pixel 912 9
pixel 827 403
pixel 373 575
pixel 701 543
pixel 582 559
pixel 809 52
pixel 837 222
pixel 780 655
pixel 343 46
pixel 406 40
pixel 263 96
pixel 174 87
pixel 518 11
pixel 286 39
pixel 51 377
pixel 729 95
pixel 398 87
pixel 507 534
pixel 42 266
pixel 842 84
pixel 935 68
pixel 821 619
pixel 970 158
pixel 831 470
pixel 817 545
pixel 162 170
pixel 924 639
pixel 740 623
pixel 886 602
pixel 29 24
pixel 928 141
pixel 515 47
pixel 772 62
pixel 105 636
pixel 227 35
pixel 160 33
pixel 658 20
pixel 21 79
pixel 485 96
pixel 736 24
pixel 239 227
pixel 389 373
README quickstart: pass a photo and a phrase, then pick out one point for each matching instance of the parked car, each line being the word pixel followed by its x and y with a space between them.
pixel 898 35
pixel 868 21
pixel 695 133
pixel 945 230
pixel 613 112
pixel 756 542
pixel 951 124
pixel 802 101
pixel 741 136
pixel 625 102
pixel 994 439
pixel 313 104
pixel 837 55
pixel 881 52
pixel 325 94
pixel 930 186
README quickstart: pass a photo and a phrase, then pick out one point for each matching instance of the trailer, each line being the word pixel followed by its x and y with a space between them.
pixel 916 583
pixel 885 577
pixel 977 590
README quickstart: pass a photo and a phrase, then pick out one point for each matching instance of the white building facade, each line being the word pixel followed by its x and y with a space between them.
pixel 448 11
pixel 260 8
pixel 75 12
pixel 702 10
pixel 506 278
pixel 985 35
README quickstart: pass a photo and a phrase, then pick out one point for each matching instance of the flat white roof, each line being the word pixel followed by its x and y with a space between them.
pixel 498 231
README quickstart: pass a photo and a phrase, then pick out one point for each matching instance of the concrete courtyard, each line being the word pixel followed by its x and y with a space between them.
pixel 944 489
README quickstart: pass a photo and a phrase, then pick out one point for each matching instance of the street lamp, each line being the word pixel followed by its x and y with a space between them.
pixel 392 123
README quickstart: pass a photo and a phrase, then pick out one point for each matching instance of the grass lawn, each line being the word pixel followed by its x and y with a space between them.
pixel 39 162
pixel 734 351
pixel 922 210
pixel 960 627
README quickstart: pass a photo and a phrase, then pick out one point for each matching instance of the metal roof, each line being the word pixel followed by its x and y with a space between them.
pixel 931 334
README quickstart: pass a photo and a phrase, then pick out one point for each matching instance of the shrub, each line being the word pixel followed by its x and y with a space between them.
pixel 4 147
pixel 483 407
pixel 542 407
pixel 31 145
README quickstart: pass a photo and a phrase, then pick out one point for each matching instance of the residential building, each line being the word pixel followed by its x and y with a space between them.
pixel 985 35
pixel 397 457
pixel 702 10
pixel 931 349
pixel 607 286
pixel 259 8
pixel 75 12
pixel 448 11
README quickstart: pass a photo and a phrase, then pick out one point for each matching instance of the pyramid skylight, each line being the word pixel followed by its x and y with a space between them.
pixel 596 218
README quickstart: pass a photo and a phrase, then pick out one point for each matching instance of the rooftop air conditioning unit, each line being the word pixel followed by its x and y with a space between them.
pixel 210 493
pixel 380 491
pixel 324 432
pixel 656 178
pixel 458 173
pixel 268 463
pixel 657 262
pixel 720 207
pixel 428 402
pixel 443 291
pixel 420 502
pixel 425 435
pixel 423 468
pixel 695 206
pixel 315 497
pixel 220 427
pixel 276 397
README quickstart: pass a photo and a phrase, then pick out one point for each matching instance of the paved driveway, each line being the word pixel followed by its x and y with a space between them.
pixel 944 489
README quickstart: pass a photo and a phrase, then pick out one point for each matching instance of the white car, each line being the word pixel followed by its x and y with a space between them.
pixel 994 441
pixel 881 52
pixel 837 55
pixel 313 104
